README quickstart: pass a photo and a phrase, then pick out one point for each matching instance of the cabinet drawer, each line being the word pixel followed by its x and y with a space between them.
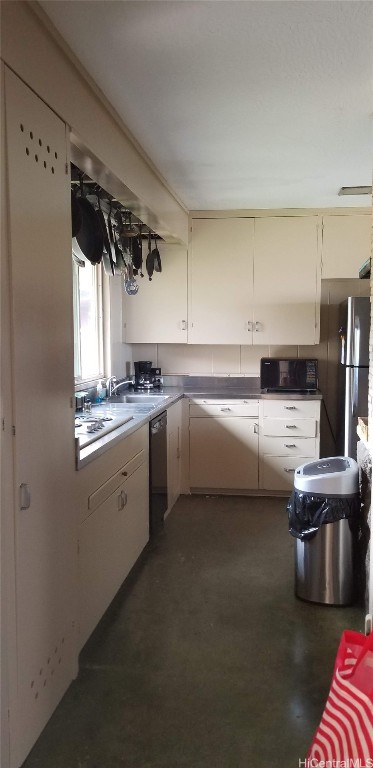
pixel 298 409
pixel 286 427
pixel 222 409
pixel 105 490
pixel 276 473
pixel 288 446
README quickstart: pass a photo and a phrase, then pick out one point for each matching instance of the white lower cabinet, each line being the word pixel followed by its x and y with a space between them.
pixel 289 436
pixel 223 445
pixel 226 453
pixel 110 541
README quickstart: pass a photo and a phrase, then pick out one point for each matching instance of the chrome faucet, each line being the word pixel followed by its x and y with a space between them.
pixel 112 384
pixel 109 385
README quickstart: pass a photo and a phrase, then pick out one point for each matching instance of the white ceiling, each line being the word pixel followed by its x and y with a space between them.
pixel 239 104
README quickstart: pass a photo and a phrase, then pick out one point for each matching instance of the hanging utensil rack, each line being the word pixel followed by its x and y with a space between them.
pixel 109 204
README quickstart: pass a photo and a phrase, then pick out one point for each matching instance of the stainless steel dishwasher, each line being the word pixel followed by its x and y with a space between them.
pixel 158 501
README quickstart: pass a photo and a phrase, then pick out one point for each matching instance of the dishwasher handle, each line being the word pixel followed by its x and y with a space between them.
pixel 159 423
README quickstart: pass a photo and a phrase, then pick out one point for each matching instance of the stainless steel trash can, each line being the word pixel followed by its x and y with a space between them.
pixel 324 564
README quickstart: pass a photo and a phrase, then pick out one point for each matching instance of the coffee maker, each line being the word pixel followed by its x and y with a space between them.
pixel 146 377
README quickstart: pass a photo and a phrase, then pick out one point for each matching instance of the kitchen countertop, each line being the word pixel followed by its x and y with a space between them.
pixel 128 417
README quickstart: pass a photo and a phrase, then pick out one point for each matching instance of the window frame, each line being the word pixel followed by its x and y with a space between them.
pixel 101 293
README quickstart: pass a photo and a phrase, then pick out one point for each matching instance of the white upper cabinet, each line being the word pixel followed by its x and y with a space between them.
pixel 286 280
pixel 346 245
pixel 255 281
pixel 221 281
pixel 158 312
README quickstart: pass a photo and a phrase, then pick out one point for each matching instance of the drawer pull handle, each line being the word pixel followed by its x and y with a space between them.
pixel 290 407
pixel 125 474
pixel 25 496
pixel 289 470
pixel 290 445
pixel 290 426
pixel 122 500
pixel 225 409
pixel 256 429
pixel 249 326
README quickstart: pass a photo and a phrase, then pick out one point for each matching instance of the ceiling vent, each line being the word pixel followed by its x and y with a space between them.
pixel 355 191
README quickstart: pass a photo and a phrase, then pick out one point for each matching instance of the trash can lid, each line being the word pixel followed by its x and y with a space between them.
pixel 335 475
pixel 326 466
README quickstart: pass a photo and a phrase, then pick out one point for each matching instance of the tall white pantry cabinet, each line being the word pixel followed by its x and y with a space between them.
pixel 40 628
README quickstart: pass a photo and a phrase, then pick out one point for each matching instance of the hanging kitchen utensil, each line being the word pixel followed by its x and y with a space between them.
pixel 123 240
pixel 157 258
pixel 90 236
pixel 115 246
pixel 137 251
pixel 107 253
pixel 129 229
pixel 111 238
pixel 76 215
pixel 130 285
pixel 78 255
pixel 120 264
pixel 150 258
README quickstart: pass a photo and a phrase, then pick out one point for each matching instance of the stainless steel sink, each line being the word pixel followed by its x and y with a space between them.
pixel 139 398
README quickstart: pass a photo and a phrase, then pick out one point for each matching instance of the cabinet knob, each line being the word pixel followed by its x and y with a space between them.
pixel 125 474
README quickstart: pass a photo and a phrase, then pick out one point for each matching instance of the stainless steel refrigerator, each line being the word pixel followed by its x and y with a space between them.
pixel 353 371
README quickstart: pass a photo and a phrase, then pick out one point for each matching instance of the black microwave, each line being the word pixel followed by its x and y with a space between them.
pixel 288 375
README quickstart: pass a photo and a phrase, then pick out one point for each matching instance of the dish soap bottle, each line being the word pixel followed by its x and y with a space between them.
pixel 101 391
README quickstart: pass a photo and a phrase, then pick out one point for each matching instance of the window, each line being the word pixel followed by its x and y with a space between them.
pixel 88 323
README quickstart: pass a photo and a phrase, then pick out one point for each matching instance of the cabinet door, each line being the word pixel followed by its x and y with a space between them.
pixel 110 541
pixel 174 420
pixel 346 245
pixel 158 312
pixel 286 280
pixel 42 348
pixel 223 453
pixel 221 281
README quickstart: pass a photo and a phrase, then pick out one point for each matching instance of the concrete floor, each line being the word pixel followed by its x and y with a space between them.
pixel 206 659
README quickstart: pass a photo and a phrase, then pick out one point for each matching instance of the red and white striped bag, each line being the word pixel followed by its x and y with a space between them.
pixel 345 733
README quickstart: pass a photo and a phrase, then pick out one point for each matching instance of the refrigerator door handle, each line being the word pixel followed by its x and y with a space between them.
pixel 356 341
pixel 355 390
